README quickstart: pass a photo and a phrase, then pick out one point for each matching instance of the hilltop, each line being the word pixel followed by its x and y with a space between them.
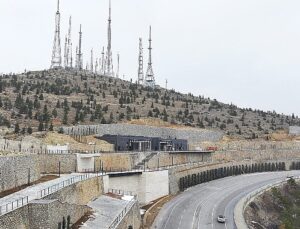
pixel 44 100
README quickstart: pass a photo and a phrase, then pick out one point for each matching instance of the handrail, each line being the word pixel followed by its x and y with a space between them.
pixel 10 206
pixel 121 215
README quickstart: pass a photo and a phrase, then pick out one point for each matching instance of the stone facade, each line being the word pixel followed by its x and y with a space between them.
pixel 17 170
pixel 52 213
pixel 17 219
pixel 49 163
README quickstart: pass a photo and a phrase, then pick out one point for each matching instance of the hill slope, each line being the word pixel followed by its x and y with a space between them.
pixel 43 99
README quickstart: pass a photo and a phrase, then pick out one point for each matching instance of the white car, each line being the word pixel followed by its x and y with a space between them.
pixel 221 219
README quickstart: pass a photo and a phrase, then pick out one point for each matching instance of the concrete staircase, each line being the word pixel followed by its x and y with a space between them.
pixel 140 165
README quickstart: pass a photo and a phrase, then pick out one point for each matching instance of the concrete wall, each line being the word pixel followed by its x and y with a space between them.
pixel 85 162
pixel 191 134
pixel 15 169
pixel 132 218
pixel 147 185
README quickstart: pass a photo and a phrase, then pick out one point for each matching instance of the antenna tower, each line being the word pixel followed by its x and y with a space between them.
pixel 109 62
pixel 149 79
pixel 79 54
pixel 141 64
pixel 102 70
pixel 118 69
pixel 65 52
pixel 96 66
pixel 69 45
pixel 92 61
pixel 56 52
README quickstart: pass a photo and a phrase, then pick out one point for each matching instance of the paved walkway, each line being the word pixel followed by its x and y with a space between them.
pixel 106 210
pixel 24 196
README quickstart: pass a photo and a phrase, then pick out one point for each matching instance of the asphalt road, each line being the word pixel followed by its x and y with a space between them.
pixel 199 206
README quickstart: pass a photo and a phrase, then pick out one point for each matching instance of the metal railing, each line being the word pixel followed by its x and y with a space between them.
pixel 120 192
pixel 124 212
pixel 54 188
pixel 13 205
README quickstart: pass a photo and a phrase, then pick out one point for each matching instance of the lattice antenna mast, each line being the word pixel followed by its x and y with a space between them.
pixel 92 61
pixel 109 62
pixel 69 46
pixel 76 59
pixel 56 52
pixel 65 52
pixel 96 66
pixel 141 64
pixel 118 67
pixel 71 55
pixel 79 58
pixel 166 84
pixel 149 79
pixel 102 63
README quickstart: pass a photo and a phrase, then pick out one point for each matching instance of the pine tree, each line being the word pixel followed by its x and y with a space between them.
pixel 17 128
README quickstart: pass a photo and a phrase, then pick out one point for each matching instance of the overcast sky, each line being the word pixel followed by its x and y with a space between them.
pixel 242 51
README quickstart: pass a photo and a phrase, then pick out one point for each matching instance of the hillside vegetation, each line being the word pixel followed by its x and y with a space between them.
pixel 277 208
pixel 46 99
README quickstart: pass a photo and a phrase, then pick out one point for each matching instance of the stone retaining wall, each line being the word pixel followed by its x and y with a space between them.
pixel 79 193
pixel 52 213
pixel 16 170
pixel 49 163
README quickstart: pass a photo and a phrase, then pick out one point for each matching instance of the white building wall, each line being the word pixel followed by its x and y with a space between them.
pixel 85 162
pixel 148 185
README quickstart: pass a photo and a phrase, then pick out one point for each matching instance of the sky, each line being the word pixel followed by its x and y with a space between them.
pixel 245 52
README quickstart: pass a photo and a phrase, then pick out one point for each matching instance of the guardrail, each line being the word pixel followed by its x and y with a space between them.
pixel 10 206
pixel 124 212
pixel 54 188
pixel 244 202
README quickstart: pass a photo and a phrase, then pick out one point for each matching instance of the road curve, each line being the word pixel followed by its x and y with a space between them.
pixel 199 206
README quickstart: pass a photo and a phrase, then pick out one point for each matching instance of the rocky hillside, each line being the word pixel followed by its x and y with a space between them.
pixel 46 99
pixel 277 208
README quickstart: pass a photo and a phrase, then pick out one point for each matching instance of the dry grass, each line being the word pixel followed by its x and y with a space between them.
pixel 90 142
